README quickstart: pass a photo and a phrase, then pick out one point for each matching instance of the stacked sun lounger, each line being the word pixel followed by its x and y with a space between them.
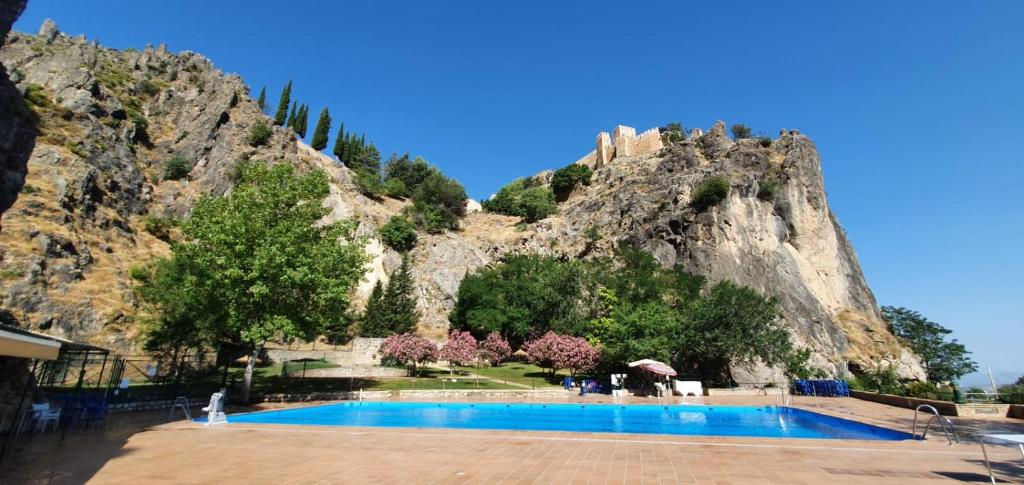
pixel 822 387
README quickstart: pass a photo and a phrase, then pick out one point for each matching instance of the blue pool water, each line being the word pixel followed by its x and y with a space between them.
pixel 765 421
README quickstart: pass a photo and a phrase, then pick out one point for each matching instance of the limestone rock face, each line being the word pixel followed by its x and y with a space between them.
pixel 48 31
pixel 110 119
pixel 17 128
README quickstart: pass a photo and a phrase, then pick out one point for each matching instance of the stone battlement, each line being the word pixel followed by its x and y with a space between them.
pixel 623 142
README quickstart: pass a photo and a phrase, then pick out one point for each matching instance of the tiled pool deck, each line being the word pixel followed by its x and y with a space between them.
pixel 187 453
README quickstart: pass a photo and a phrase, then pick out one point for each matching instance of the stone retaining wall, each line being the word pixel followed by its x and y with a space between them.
pixel 352 371
pixel 945 408
pixel 420 395
pixel 360 352
pixel 982 410
pixel 745 391
pixel 1016 411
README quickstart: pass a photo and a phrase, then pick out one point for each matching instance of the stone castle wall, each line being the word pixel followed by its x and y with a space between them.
pixel 363 352
pixel 623 142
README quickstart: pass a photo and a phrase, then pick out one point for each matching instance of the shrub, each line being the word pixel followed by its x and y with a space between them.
pixel 259 134
pixel 36 96
pixel 176 168
pixel 764 141
pixel 148 88
pixel 431 218
pixel 159 227
pixel 767 190
pixel 925 390
pixel 672 133
pixel 740 131
pixel 518 198
pixel 565 179
pixel 399 233
pixel 77 148
pixel 396 188
pixel 710 193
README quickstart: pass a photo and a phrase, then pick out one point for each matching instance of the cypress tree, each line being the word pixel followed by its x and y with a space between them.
pixel 302 121
pixel 398 301
pixel 339 143
pixel 291 116
pixel 392 309
pixel 373 323
pixel 262 100
pixel 282 104
pixel 323 126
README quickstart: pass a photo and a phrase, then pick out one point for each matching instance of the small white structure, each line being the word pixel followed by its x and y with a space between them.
pixel 215 411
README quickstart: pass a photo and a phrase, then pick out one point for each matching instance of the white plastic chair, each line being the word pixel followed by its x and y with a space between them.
pixel 215 410
pixel 43 416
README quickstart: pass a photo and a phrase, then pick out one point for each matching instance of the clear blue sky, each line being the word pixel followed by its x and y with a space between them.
pixel 917 107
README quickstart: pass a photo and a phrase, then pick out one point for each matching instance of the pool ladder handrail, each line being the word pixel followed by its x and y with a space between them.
pixel 182 403
pixel 943 421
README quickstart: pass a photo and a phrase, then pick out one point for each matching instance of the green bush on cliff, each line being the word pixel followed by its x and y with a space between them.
pixel 522 199
pixel 566 179
pixel 710 193
pixel 259 134
pixel 176 168
pixel 399 233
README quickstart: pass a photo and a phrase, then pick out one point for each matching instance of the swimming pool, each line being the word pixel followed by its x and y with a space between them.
pixel 693 420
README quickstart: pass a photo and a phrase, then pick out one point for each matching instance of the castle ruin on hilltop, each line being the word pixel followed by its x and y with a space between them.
pixel 622 143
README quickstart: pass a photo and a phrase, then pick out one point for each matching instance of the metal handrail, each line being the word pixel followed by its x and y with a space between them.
pixel 943 421
pixel 182 402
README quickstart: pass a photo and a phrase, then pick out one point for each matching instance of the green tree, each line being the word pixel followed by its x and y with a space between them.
pixel 943 360
pixel 302 121
pixel 519 198
pixel 339 143
pixel 568 178
pixel 395 311
pixel 438 202
pixel 373 323
pixel 320 133
pixel 412 172
pixel 740 131
pixel 262 100
pixel 258 263
pixel 733 324
pixel 292 115
pixel 522 295
pixel 399 233
pixel 282 105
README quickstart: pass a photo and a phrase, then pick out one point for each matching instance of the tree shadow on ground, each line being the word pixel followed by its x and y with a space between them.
pixel 45 458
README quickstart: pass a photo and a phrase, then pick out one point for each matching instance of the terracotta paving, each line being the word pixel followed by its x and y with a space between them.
pixel 183 452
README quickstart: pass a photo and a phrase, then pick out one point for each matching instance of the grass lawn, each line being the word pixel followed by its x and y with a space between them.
pixel 520 373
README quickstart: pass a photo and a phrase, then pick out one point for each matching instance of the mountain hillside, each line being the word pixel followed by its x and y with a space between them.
pixel 94 197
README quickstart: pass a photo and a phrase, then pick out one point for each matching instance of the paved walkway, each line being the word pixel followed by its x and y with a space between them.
pixel 186 453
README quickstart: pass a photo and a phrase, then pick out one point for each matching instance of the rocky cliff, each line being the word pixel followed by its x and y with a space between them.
pixel 109 119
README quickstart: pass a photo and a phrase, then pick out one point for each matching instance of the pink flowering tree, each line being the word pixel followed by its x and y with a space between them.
pixel 552 351
pixel 495 349
pixel 409 349
pixel 459 349
pixel 577 355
